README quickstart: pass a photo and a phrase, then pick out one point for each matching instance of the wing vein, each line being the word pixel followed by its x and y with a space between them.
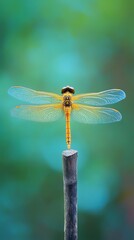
pixel 86 114
pixel 41 113
pixel 101 98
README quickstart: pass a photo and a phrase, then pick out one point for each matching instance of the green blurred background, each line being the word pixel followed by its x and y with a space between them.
pixel 46 45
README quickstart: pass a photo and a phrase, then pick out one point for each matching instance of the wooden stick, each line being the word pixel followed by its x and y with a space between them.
pixel 70 194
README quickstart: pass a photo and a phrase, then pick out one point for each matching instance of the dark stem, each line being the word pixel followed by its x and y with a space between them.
pixel 70 194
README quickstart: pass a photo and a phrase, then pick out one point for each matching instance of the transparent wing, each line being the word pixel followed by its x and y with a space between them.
pixel 86 114
pixel 100 98
pixel 42 113
pixel 32 96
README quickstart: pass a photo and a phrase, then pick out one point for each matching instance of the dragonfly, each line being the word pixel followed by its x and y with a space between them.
pixel 84 108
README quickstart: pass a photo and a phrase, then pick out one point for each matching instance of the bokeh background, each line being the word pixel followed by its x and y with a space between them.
pixel 46 45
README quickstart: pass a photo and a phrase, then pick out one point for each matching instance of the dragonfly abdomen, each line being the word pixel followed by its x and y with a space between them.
pixel 68 130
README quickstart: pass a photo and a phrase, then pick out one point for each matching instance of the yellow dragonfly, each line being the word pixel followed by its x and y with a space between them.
pixel 84 108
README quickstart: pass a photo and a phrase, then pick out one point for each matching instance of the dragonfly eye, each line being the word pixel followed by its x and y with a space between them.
pixel 68 89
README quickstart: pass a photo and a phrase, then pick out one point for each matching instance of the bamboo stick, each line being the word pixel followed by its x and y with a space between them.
pixel 70 194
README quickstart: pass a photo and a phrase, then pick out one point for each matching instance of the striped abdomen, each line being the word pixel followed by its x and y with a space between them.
pixel 68 130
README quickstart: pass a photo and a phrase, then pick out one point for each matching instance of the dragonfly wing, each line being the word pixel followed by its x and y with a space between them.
pixel 86 114
pixel 42 113
pixel 100 98
pixel 32 96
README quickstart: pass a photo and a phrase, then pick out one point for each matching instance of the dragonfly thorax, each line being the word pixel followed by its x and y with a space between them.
pixel 67 100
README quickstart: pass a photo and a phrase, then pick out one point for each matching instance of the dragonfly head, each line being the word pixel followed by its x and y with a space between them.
pixel 68 89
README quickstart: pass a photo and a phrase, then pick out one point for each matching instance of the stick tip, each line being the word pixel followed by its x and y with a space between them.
pixel 68 153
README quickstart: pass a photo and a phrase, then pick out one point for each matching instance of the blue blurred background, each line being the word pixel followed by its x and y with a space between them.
pixel 46 45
